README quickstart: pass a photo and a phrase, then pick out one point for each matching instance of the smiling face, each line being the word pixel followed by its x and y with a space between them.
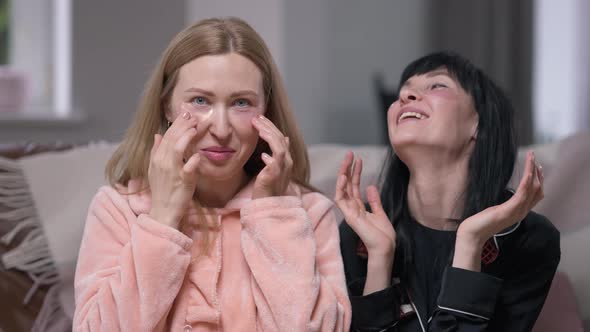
pixel 224 92
pixel 433 110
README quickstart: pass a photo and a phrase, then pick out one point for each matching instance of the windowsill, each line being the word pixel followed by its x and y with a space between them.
pixel 40 119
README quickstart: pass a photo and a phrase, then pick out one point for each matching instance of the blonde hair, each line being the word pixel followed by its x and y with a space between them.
pixel 213 36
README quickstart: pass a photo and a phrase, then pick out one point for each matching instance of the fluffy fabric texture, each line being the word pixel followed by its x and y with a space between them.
pixel 274 264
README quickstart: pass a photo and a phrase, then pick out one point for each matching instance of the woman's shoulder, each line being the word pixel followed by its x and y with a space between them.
pixel 539 229
pixel 535 236
pixel 534 220
pixel 314 202
pixel 108 196
pixel 122 196
pixel 112 193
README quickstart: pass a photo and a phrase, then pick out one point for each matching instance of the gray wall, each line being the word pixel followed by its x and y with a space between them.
pixel 115 46
pixel 266 16
pixel 326 50
pixel 332 49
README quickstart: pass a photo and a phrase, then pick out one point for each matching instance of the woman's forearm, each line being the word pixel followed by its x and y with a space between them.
pixel 467 253
pixel 379 271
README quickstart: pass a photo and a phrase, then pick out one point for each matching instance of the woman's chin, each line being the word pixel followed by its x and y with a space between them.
pixel 222 172
pixel 406 141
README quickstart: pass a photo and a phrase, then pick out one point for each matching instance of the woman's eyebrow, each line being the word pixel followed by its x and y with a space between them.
pixel 233 95
pixel 430 74
pixel 244 93
pixel 438 72
pixel 198 90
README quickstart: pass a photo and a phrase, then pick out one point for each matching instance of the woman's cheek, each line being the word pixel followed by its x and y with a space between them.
pixel 241 120
pixel 245 115
pixel 391 112
pixel 202 113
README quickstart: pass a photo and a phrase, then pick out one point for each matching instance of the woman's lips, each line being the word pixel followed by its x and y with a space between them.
pixel 218 153
pixel 411 114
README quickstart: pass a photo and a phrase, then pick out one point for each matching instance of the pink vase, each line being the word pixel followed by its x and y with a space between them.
pixel 13 90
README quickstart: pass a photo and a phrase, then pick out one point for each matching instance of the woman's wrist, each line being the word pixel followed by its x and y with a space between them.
pixel 377 261
pixel 467 252
pixel 385 251
pixel 164 217
pixel 379 269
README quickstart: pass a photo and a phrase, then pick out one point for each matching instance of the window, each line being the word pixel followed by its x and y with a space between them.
pixel 35 55
pixel 560 81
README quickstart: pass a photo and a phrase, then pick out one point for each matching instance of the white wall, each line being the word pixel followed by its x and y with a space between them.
pixel 32 30
pixel 583 116
pixel 561 69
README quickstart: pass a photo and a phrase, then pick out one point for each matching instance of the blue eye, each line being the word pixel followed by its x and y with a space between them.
pixel 242 103
pixel 199 101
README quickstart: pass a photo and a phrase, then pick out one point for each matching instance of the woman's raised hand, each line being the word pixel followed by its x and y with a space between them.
pixel 274 178
pixel 477 229
pixel 173 179
pixel 374 228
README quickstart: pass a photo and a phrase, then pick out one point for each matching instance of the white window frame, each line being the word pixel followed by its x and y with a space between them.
pixel 560 68
pixel 41 47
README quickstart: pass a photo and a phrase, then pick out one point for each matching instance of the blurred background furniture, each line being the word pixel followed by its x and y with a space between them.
pixel 15 285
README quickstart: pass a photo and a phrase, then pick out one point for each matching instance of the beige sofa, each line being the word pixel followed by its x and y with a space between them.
pixel 566 166
pixel 61 184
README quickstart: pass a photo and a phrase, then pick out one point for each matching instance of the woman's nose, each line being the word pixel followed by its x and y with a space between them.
pixel 219 124
pixel 408 94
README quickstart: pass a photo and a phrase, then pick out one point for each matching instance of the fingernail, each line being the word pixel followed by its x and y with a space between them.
pixel 186 115
pixel 260 116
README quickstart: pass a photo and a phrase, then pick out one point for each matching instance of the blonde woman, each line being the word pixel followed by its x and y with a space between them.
pixel 209 222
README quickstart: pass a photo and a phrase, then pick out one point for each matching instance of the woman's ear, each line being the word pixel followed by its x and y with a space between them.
pixel 475 128
pixel 167 111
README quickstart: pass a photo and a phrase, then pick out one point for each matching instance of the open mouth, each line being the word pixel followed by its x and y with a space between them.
pixel 411 115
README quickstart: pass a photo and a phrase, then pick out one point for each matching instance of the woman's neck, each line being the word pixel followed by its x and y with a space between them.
pixel 216 193
pixel 435 193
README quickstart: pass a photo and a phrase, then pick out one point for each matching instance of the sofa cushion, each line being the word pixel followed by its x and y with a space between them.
pixel 576 265
pixel 560 312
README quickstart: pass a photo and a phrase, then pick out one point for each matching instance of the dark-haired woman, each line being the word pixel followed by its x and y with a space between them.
pixel 445 245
